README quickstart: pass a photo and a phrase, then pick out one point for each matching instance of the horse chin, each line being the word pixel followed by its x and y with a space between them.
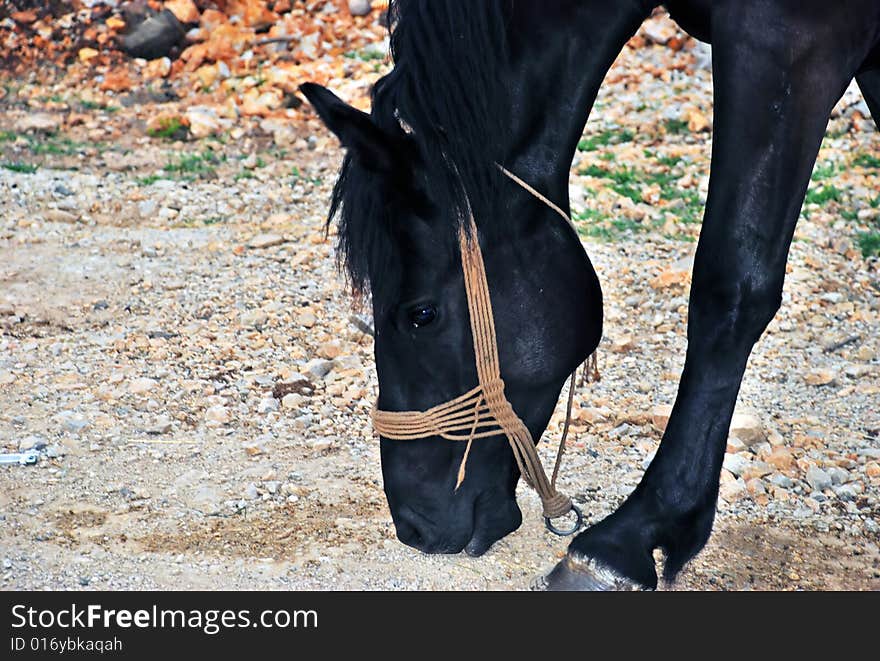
pixel 478 546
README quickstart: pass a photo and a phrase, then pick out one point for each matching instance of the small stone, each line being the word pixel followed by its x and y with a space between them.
pixel 818 479
pixel 217 414
pixel 322 445
pixel 747 428
pixel 142 386
pixel 38 121
pixel 162 425
pixel 780 480
pixel 265 241
pixel 838 475
pixel 73 422
pixel 658 32
pixel 254 319
pixel 306 319
pixel 623 344
pixel 329 350
pixel 660 416
pixel 318 368
pixel 865 353
pixel 31 443
pixel 821 377
pixel 872 469
pixel 6 378
pixel 60 216
pixel 7 563
pixel 250 491
pixel 147 208
pixel 757 469
pixel 157 68
pixel 206 499
pixel 253 448
pixel 272 486
pixel 185 10
pixel 360 7
pixel 734 490
pixel 155 37
pixel 736 464
pixel 846 492
pixel 755 487
pixel 347 363
pixel 781 459
pixel 203 121
pixel 267 405
pixel 735 445
pixel 291 400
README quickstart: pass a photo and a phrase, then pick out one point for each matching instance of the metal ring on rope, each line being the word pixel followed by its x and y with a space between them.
pixel 579 521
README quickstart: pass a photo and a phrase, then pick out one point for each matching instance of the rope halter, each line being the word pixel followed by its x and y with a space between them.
pixel 484 411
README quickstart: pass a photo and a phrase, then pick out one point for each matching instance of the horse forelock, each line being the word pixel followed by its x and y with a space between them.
pixel 446 93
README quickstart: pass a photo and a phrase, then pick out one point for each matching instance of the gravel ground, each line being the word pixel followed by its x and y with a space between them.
pixel 176 342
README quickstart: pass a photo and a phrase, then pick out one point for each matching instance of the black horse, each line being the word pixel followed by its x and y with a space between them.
pixel 512 82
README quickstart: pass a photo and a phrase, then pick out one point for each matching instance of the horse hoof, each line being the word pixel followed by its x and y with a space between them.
pixel 579 573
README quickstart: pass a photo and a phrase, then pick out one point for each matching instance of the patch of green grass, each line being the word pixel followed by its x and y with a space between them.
pixel 49 144
pixel 867 161
pixel 849 214
pixel 629 183
pixel 627 190
pixel 193 165
pixel 244 174
pixel 170 129
pixel 594 224
pixel 824 195
pixel 822 172
pixel 365 55
pixel 605 138
pixel 676 126
pixel 669 161
pixel 874 202
pixel 869 243
pixel 59 146
pixel 94 105
pixel 23 168
pixel 150 179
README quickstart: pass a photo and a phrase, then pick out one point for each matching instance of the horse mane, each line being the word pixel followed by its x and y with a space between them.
pixel 446 87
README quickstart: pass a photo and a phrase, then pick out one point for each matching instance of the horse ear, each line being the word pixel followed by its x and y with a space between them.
pixel 355 129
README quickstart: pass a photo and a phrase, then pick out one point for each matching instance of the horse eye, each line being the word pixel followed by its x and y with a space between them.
pixel 422 315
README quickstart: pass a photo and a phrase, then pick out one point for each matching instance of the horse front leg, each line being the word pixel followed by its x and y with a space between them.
pixel 773 97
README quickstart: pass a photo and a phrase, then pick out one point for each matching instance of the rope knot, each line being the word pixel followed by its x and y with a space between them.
pixel 493 388
pixel 557 505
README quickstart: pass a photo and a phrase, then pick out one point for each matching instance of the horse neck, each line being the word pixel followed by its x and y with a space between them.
pixel 560 57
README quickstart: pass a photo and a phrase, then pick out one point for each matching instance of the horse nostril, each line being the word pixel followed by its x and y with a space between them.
pixel 408 533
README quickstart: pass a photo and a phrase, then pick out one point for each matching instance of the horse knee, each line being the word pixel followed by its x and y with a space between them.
pixel 732 313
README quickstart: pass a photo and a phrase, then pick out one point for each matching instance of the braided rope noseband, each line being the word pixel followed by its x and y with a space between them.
pixel 484 411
